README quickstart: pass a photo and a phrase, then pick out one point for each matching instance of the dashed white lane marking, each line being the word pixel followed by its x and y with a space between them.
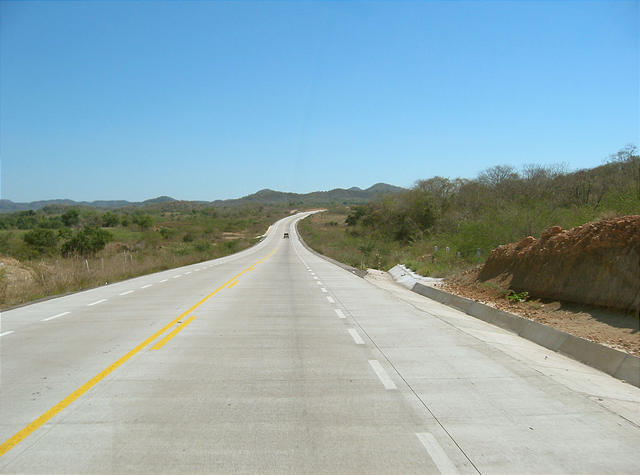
pixel 323 289
pixel 356 336
pixel 176 276
pixel 437 454
pixel 163 280
pixel 55 316
pixel 196 270
pixel 187 273
pixel 146 286
pixel 382 375
pixel 315 278
pixel 6 333
pixel 330 299
pixel 339 313
pixel 96 302
pixel 127 292
pixel 319 283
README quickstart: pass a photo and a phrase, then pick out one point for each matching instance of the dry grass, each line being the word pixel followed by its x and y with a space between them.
pixel 22 282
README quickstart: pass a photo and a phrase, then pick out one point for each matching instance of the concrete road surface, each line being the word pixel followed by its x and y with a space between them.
pixel 276 361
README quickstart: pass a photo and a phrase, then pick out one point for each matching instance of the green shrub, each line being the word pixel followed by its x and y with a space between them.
pixel 71 217
pixel 202 246
pixel 44 241
pixel 142 219
pixel 3 284
pixel 109 219
pixel 513 296
pixel 167 233
pixel 86 242
pixel 65 233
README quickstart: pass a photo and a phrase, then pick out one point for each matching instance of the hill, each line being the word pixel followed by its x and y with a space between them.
pixel 352 195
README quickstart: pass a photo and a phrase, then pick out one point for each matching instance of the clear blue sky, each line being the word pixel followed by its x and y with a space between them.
pixel 207 100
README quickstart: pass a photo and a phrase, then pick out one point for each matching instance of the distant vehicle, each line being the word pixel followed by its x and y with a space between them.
pixel 286 236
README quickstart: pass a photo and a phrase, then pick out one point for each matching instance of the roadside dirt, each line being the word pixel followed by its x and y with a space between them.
pixel 595 264
pixel 616 329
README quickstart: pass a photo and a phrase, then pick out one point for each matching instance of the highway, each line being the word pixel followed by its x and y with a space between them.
pixel 277 361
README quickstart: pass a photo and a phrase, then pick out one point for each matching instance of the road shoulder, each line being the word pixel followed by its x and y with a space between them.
pixel 616 396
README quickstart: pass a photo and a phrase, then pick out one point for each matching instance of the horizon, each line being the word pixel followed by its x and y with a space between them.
pixel 208 100
pixel 198 200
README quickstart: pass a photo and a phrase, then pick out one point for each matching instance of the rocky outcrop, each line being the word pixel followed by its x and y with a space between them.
pixel 597 263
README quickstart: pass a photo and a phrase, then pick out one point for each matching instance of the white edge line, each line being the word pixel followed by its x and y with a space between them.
pixel 437 454
pixel 382 375
pixel 96 302
pixel 6 333
pixel 55 316
pixel 356 336
pixel 339 313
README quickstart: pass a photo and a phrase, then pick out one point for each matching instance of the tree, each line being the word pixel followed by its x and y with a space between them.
pixel 498 175
pixel 628 162
pixel 44 241
pixel 354 216
pixel 71 218
pixel 65 233
pixel 143 220
pixel 86 242
pixel 26 219
pixel 109 219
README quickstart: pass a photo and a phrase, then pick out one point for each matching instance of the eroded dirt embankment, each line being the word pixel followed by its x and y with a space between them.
pixel 596 264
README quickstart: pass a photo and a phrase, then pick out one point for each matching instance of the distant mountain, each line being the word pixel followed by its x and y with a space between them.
pixel 159 199
pixel 9 206
pixel 338 195
pixel 352 195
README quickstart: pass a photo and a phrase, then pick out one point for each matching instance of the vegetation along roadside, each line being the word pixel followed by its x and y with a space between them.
pixel 448 228
pixel 58 249
pixel 442 226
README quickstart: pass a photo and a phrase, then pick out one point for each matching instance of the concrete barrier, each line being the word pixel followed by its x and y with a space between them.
pixel 618 364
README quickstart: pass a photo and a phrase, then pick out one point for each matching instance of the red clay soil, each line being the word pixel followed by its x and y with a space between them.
pixel 617 329
pixel 584 281
pixel 595 264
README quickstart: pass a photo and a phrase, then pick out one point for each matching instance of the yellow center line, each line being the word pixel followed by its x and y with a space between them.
pixel 162 342
pixel 34 425
pixel 232 284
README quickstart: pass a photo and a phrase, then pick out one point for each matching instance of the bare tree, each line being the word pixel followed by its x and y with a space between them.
pixel 498 175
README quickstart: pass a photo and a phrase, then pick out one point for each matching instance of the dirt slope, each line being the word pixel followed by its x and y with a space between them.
pixel 595 264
